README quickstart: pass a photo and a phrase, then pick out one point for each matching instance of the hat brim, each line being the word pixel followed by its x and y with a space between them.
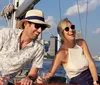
pixel 20 23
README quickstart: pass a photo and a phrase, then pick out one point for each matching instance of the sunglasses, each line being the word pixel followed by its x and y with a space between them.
pixel 37 26
pixel 72 27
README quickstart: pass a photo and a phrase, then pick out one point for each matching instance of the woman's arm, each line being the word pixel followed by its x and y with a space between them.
pixel 92 66
pixel 57 61
pixel 55 64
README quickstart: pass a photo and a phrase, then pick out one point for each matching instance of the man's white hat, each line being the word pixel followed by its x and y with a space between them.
pixel 35 16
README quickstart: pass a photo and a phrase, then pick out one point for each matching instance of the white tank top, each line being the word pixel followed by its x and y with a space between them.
pixel 77 62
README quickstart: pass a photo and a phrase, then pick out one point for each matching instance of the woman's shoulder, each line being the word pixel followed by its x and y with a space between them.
pixel 80 42
pixel 62 52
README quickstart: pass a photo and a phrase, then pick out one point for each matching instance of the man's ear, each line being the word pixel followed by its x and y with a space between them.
pixel 25 22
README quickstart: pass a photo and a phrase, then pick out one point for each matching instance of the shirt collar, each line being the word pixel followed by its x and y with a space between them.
pixel 29 44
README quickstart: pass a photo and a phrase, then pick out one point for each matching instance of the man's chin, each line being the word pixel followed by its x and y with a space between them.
pixel 35 38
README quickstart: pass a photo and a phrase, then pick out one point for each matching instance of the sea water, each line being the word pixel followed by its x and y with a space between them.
pixel 47 64
pixel 60 72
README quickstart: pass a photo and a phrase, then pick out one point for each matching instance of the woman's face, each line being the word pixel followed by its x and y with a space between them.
pixel 69 31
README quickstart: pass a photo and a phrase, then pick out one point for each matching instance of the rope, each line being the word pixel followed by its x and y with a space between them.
pixel 56 23
pixel 59 40
pixel 9 1
pixel 79 17
pixel 60 10
pixel 7 11
pixel 86 20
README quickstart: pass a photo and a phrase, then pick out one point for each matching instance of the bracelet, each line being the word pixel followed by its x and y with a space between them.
pixel 31 78
pixel 95 82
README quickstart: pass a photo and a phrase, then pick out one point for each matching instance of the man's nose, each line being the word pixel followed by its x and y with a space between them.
pixel 39 29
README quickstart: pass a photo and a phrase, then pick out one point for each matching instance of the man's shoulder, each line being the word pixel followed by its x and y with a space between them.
pixel 4 30
pixel 39 44
pixel 8 29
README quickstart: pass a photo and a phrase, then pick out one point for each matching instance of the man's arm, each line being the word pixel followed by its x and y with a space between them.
pixel 31 77
pixel 33 73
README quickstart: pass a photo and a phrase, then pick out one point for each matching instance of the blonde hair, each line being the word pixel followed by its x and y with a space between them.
pixel 61 26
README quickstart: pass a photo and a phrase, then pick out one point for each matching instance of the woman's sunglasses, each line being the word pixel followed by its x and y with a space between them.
pixel 72 27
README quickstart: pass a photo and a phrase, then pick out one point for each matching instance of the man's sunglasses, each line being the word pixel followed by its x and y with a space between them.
pixel 37 26
pixel 72 27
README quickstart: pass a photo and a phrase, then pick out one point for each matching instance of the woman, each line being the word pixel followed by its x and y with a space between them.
pixel 74 56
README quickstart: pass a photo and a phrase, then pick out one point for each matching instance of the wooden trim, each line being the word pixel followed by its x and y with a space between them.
pixel 18 83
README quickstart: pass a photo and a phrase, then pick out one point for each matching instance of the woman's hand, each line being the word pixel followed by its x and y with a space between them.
pixel 44 79
pixel 39 80
pixel 95 83
pixel 48 75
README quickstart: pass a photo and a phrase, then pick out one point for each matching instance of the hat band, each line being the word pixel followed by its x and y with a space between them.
pixel 35 17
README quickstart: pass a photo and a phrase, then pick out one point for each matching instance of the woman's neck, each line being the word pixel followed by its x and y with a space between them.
pixel 69 44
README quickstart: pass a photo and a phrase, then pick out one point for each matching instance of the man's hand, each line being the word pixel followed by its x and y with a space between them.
pixel 4 80
pixel 1 82
pixel 26 81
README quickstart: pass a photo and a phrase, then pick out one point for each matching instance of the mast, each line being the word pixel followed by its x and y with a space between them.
pixel 22 6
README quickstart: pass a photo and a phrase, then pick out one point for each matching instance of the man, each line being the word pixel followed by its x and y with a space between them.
pixel 19 47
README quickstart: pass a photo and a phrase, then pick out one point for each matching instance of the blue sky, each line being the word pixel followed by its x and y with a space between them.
pixel 68 8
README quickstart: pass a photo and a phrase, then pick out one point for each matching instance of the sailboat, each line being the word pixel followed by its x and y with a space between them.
pixel 20 11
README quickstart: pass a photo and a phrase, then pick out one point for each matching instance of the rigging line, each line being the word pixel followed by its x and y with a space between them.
pixel 60 10
pixel 60 16
pixel 9 1
pixel 53 35
pixel 86 20
pixel 79 18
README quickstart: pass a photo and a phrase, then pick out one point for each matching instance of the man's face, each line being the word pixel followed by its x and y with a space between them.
pixel 33 29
